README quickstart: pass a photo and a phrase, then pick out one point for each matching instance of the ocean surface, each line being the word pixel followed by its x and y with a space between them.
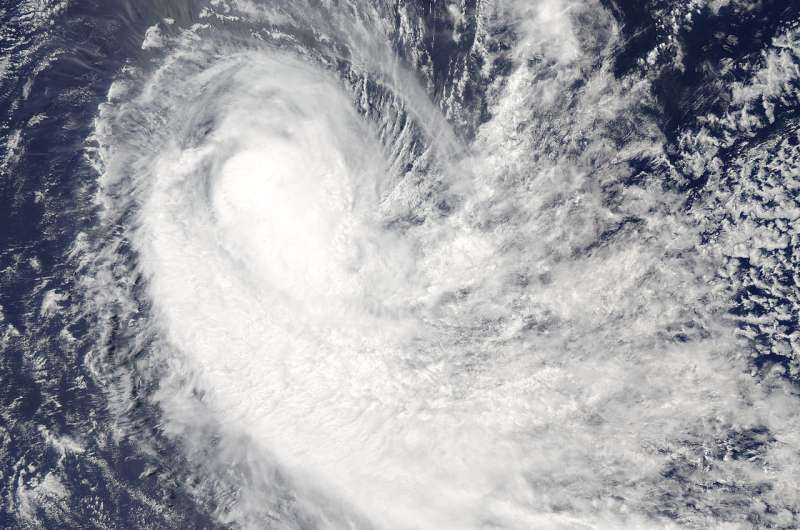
pixel 350 264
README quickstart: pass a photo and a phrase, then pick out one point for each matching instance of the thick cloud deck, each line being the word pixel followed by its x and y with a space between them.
pixel 358 292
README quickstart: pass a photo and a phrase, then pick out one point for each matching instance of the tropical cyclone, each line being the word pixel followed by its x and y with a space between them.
pixel 361 265
pixel 512 332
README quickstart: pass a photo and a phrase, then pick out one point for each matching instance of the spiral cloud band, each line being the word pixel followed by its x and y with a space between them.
pixel 362 312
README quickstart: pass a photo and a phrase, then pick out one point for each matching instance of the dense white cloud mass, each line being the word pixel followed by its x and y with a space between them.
pixel 360 320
